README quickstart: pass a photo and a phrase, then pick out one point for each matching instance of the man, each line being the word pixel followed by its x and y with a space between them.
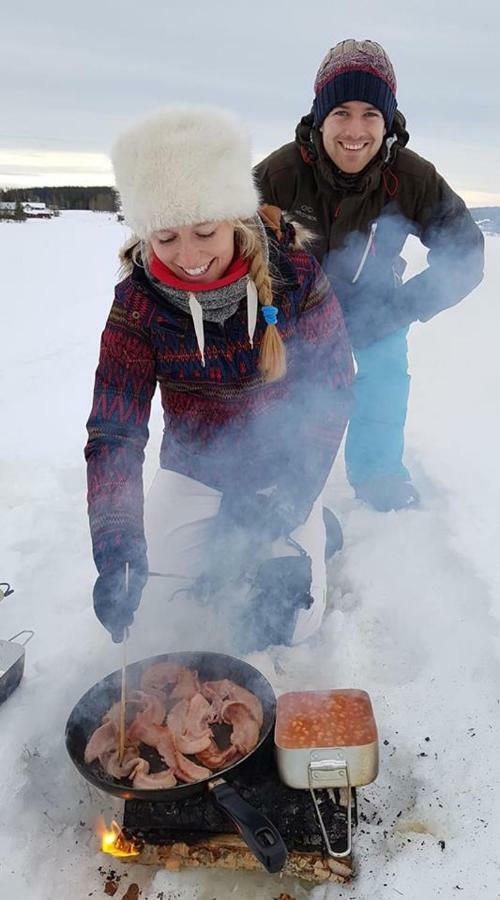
pixel 350 178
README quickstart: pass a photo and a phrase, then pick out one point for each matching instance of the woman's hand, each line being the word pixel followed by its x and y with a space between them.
pixel 116 598
pixel 281 587
pixel 267 515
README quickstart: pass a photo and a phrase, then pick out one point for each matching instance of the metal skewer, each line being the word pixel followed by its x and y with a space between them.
pixel 124 686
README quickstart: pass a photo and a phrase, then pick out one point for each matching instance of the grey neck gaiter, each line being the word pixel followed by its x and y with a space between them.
pixel 217 305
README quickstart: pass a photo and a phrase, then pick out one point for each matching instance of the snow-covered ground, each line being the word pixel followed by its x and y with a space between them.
pixel 414 606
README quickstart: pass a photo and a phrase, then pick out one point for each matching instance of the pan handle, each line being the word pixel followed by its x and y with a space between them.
pixel 257 831
pixel 19 633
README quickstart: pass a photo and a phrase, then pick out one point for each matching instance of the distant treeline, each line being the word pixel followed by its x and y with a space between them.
pixel 105 199
pixel 101 199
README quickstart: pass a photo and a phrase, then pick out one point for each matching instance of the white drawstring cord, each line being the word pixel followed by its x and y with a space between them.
pixel 197 316
pixel 252 305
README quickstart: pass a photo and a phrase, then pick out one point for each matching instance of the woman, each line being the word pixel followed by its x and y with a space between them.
pixel 254 402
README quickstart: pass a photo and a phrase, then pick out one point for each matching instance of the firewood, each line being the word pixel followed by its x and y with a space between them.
pixel 228 851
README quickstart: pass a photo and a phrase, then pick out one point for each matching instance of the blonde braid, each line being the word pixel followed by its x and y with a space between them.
pixel 272 358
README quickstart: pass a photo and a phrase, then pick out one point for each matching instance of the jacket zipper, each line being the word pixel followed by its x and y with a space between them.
pixel 366 251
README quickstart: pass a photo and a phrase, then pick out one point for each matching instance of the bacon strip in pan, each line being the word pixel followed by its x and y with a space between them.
pixel 158 676
pixel 187 732
pixel 188 723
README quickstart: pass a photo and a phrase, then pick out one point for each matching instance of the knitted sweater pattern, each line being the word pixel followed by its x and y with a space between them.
pixel 221 420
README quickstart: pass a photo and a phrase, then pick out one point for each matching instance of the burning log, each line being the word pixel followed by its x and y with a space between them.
pixel 228 851
pixel 221 851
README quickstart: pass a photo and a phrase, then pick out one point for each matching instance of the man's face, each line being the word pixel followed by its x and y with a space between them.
pixel 352 135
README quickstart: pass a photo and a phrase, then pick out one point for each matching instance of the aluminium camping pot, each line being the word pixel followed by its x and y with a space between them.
pixel 12 656
pixel 326 740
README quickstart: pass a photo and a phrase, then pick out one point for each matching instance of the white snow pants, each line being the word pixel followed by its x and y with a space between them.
pixel 179 514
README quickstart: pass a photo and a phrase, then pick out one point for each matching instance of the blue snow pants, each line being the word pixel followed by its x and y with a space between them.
pixel 375 435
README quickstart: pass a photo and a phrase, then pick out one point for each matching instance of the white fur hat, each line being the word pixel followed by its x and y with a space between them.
pixel 182 166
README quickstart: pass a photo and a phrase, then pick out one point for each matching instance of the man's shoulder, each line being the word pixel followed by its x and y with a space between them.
pixel 285 163
pixel 286 180
pixel 408 162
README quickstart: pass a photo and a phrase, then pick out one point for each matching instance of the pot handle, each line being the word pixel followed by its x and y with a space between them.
pixel 19 633
pixel 258 832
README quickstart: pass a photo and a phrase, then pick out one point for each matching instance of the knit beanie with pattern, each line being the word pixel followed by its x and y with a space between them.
pixel 355 70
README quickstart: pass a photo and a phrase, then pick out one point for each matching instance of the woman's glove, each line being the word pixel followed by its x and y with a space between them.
pixel 115 602
pixel 269 516
pixel 281 588
pixel 245 526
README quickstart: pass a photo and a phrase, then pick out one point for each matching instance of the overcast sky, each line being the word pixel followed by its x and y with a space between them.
pixel 73 75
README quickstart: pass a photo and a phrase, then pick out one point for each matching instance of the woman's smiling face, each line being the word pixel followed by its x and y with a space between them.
pixel 352 135
pixel 200 252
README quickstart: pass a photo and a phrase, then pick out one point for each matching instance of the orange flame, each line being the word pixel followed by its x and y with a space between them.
pixel 113 840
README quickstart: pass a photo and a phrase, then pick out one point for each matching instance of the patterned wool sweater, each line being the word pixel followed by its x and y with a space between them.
pixel 224 426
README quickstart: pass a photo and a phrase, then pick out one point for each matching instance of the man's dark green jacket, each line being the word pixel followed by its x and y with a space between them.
pixel 360 225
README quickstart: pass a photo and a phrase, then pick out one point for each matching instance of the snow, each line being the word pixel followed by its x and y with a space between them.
pixel 414 599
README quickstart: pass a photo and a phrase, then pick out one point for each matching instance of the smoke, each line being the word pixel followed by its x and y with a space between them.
pixel 286 441
pixel 276 442
pixel 367 270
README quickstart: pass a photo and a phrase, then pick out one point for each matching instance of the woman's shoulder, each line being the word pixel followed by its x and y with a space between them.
pixel 131 288
pixel 134 297
pixel 133 310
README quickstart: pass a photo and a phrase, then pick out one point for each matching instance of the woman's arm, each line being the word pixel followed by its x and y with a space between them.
pixel 118 432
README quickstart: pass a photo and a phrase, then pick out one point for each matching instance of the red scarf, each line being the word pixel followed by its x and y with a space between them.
pixel 237 269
